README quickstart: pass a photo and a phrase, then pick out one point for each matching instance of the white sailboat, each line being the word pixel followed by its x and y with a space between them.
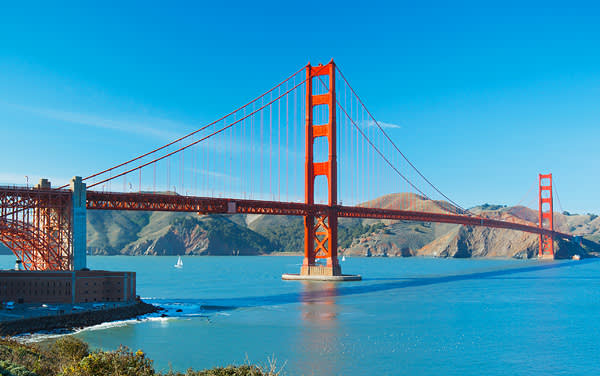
pixel 343 257
pixel 179 264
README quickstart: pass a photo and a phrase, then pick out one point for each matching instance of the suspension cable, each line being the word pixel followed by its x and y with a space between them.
pixel 377 149
pixel 192 133
pixel 204 138
pixel 555 188
pixel 396 147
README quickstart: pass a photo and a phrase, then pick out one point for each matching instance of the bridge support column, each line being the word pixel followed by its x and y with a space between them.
pixel 79 215
pixel 320 229
pixel 320 239
pixel 546 216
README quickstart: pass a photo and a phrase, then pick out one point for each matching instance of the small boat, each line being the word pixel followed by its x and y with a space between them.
pixel 343 257
pixel 576 257
pixel 179 264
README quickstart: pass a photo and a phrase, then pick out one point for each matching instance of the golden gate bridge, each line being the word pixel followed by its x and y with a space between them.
pixel 306 147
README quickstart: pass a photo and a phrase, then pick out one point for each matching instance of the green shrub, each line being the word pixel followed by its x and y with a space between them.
pixel 29 357
pixel 11 369
pixel 121 362
pixel 244 370
pixel 351 231
pixel 69 349
pixel 69 356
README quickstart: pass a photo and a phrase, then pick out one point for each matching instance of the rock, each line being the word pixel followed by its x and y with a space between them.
pixel 74 320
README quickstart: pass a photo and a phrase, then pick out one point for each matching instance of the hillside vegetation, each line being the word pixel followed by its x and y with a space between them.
pixel 69 356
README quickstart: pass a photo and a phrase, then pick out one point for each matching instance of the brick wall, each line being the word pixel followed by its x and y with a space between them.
pixel 66 287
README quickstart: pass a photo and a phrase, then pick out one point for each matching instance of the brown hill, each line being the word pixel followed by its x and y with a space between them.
pixel 400 238
pixel 160 233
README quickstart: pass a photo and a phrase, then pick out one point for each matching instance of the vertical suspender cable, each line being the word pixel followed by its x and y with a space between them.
pixel 358 177
pixel 287 145
pixel 207 171
pixel 261 165
pixel 270 130
pixel 251 178
pixel 363 159
pixel 223 161
pixel 294 130
pixel 279 147
pixel 242 146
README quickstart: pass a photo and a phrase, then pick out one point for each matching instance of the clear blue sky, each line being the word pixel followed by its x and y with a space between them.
pixel 486 96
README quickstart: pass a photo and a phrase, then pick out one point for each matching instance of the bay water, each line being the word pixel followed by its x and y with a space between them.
pixel 409 316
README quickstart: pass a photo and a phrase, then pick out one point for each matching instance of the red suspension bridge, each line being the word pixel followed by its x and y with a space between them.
pixel 251 161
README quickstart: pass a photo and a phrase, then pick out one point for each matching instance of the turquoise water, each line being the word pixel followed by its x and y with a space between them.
pixel 410 316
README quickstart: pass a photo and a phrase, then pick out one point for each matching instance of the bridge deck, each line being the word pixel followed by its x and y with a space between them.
pixel 210 205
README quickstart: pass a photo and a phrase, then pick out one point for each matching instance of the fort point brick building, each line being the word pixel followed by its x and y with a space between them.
pixel 79 286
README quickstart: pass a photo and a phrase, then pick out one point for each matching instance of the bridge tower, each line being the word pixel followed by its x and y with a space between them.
pixel 546 216
pixel 78 217
pixel 320 231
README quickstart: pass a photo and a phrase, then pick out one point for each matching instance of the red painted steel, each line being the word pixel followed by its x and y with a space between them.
pixel 320 232
pixel 202 205
pixel 36 224
pixel 209 205
pixel 546 215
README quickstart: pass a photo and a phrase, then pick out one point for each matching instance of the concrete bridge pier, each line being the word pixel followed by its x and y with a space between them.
pixel 79 229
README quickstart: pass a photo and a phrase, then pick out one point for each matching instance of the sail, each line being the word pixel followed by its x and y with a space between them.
pixel 179 263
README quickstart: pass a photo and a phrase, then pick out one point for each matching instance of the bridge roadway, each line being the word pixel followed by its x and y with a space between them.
pixel 208 205
pixel 17 199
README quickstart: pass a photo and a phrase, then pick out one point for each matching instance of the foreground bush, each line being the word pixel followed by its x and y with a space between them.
pixel 69 356
pixel 121 362
pixel 70 349
pixel 245 370
pixel 29 357
pixel 11 369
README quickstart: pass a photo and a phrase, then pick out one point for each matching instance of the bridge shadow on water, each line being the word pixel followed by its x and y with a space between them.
pixel 311 293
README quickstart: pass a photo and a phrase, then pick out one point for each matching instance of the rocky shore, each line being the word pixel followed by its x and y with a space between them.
pixel 75 320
